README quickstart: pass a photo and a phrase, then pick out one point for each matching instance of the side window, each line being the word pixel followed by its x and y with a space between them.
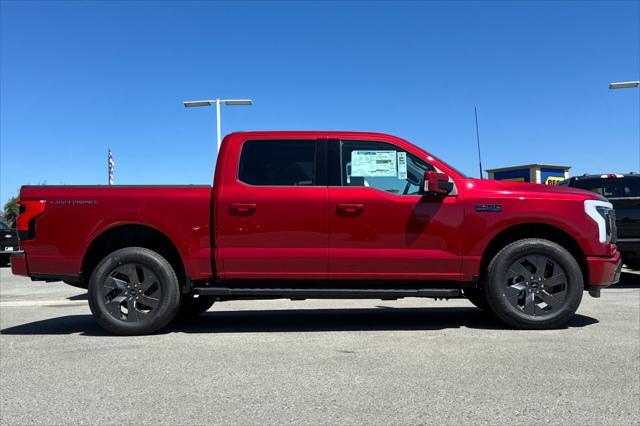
pixel 278 163
pixel 382 166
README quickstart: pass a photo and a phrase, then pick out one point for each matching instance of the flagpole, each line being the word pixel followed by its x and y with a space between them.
pixel 110 167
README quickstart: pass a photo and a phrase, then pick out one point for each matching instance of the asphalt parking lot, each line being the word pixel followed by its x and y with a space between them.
pixel 351 362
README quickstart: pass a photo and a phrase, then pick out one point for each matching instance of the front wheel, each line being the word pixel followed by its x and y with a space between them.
pixel 534 284
pixel 134 291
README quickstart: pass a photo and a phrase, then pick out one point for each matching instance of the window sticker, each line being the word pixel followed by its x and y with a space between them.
pixel 373 163
pixel 402 165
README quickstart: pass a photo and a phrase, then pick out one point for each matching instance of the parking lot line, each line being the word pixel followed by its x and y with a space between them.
pixel 27 303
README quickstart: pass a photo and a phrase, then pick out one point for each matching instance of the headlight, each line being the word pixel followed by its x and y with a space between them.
pixel 603 215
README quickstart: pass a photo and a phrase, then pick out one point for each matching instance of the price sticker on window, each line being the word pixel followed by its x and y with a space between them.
pixel 402 165
pixel 373 163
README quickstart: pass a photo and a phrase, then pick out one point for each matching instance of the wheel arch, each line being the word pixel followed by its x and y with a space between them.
pixel 131 235
pixel 534 230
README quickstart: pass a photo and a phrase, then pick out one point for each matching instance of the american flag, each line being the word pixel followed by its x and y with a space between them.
pixel 111 167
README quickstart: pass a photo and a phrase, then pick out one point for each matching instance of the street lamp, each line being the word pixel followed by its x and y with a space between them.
pixel 624 84
pixel 217 102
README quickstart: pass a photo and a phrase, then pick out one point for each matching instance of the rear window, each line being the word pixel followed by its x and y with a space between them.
pixel 611 187
pixel 278 163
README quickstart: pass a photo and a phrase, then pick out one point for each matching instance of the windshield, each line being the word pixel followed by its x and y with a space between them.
pixel 4 226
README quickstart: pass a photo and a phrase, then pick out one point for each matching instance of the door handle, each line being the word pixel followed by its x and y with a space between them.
pixel 243 207
pixel 350 208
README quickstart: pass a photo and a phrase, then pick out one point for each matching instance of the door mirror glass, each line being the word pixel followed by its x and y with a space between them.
pixel 436 184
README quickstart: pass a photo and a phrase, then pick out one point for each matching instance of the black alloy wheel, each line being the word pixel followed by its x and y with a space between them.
pixel 536 285
pixel 133 291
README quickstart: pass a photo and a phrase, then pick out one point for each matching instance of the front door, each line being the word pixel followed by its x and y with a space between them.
pixel 380 227
pixel 272 215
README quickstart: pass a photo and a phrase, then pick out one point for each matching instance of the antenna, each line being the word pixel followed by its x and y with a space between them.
pixel 478 140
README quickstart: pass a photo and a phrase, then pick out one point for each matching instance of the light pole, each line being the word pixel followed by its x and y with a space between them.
pixel 624 85
pixel 217 102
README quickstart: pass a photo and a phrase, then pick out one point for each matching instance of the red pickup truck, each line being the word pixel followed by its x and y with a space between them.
pixel 320 215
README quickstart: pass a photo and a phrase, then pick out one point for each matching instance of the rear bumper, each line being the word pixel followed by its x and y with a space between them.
pixel 19 264
pixel 603 272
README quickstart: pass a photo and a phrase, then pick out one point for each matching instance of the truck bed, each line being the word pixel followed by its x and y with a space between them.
pixel 77 216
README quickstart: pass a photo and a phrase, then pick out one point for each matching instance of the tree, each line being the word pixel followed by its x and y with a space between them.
pixel 10 211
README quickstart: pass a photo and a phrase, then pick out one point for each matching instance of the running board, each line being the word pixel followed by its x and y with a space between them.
pixel 327 293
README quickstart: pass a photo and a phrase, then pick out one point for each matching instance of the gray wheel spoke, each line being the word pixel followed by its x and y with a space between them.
pixel 518 270
pixel 555 280
pixel 540 262
pixel 132 314
pixel 113 306
pixel 151 302
pixel 149 280
pixel 549 299
pixel 529 304
pixel 519 286
pixel 115 283
pixel 131 272
pixel 512 294
pixel 512 291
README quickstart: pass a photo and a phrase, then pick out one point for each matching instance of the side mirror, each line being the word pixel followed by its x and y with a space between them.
pixel 436 184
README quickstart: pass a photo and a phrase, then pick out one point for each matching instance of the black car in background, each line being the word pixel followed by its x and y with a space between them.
pixel 8 243
pixel 623 191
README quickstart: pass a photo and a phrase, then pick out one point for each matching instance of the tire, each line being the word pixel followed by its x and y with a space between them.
pixel 477 297
pixel 534 284
pixel 134 277
pixel 5 259
pixel 192 307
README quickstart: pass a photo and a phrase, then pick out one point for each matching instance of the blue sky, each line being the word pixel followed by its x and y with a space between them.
pixel 80 77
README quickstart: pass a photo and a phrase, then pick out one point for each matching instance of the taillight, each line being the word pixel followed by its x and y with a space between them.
pixel 26 221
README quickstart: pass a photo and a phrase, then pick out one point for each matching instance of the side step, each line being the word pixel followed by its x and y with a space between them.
pixel 327 293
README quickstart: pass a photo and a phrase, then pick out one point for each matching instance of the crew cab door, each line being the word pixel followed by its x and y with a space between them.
pixel 271 212
pixel 380 226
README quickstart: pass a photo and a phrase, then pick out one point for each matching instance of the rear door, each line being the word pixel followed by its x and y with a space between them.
pixel 272 211
pixel 380 227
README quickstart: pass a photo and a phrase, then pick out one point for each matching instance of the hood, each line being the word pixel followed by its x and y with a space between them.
pixel 533 188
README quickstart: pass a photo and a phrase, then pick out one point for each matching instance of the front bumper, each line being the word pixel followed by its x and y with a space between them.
pixel 603 272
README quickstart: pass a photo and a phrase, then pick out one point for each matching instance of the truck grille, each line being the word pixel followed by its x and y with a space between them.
pixel 613 226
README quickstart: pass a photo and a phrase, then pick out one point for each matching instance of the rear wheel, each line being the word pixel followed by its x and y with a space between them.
pixel 534 284
pixel 133 291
